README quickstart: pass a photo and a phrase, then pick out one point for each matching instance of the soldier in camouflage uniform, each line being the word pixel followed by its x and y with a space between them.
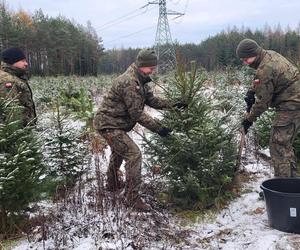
pixel 14 83
pixel 121 109
pixel 276 85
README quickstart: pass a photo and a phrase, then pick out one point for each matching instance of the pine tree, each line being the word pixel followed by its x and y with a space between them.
pixel 66 154
pixel 20 165
pixel 79 102
pixel 198 158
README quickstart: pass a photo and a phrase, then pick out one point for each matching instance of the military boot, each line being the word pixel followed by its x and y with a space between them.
pixel 115 181
pixel 133 200
pixel 141 206
pixel 114 186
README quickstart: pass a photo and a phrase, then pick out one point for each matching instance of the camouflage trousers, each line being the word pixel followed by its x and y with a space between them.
pixel 123 148
pixel 285 127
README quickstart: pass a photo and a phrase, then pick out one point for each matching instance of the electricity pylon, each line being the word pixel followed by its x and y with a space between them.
pixel 164 46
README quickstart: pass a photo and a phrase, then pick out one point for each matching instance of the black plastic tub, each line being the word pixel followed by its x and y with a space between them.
pixel 282 196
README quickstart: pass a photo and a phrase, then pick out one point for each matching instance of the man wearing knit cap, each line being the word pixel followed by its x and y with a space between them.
pixel 14 83
pixel 276 85
pixel 121 109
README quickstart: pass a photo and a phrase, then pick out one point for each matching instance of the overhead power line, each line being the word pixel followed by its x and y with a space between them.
pixel 131 34
pixel 123 18
pixel 175 3
pixel 130 16
pixel 183 13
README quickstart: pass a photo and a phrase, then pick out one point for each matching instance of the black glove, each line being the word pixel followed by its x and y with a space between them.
pixel 246 124
pixel 249 99
pixel 180 105
pixel 164 132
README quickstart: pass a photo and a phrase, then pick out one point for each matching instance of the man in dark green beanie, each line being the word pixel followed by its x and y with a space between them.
pixel 121 109
pixel 248 48
pixel 276 85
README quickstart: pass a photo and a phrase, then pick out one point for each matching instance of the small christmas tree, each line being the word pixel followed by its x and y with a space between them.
pixel 198 158
pixel 80 103
pixel 65 151
pixel 20 165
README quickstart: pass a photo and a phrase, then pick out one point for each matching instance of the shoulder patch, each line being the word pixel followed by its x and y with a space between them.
pixel 256 81
pixel 8 85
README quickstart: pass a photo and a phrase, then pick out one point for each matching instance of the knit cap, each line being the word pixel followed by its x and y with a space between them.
pixel 146 58
pixel 12 55
pixel 247 48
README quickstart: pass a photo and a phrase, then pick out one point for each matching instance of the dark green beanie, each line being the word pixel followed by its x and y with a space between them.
pixel 12 55
pixel 146 58
pixel 247 48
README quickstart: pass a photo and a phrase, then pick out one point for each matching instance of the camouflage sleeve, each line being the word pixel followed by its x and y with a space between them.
pixel 25 100
pixel 150 123
pixel 133 100
pixel 156 102
pixel 264 89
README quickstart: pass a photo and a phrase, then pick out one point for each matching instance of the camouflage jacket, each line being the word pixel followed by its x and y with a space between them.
pixel 123 106
pixel 14 85
pixel 276 84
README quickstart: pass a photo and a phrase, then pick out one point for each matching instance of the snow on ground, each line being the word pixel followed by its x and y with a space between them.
pixel 243 224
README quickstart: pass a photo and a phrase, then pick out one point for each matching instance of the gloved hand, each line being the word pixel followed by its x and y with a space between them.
pixel 164 131
pixel 249 99
pixel 246 124
pixel 180 105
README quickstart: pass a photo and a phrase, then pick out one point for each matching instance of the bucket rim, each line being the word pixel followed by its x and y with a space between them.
pixel 277 192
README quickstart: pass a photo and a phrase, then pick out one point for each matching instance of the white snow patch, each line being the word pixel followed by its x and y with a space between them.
pixel 242 225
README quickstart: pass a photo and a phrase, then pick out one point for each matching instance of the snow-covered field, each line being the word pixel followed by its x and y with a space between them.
pixel 243 224
pixel 79 223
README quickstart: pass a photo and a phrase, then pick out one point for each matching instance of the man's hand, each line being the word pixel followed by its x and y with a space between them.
pixel 180 105
pixel 164 131
pixel 249 99
pixel 246 124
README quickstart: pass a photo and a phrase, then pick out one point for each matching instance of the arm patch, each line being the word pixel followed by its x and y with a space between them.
pixel 8 85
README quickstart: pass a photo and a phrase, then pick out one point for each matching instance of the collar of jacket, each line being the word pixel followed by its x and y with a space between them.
pixel 20 73
pixel 259 57
pixel 142 78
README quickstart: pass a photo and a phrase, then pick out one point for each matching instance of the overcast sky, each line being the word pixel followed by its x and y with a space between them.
pixel 132 23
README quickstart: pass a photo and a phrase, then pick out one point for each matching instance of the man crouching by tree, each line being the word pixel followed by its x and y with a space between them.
pixel 14 83
pixel 121 109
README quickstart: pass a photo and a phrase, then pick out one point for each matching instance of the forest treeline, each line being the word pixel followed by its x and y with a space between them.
pixel 59 46
pixel 216 52
pixel 54 46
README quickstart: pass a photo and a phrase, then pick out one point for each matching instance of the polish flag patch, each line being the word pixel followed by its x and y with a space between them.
pixel 256 81
pixel 8 85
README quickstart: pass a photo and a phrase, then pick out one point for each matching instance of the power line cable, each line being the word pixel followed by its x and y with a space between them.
pixel 183 14
pixel 121 21
pixel 131 12
pixel 186 5
pixel 123 18
pixel 175 3
pixel 147 28
pixel 131 34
